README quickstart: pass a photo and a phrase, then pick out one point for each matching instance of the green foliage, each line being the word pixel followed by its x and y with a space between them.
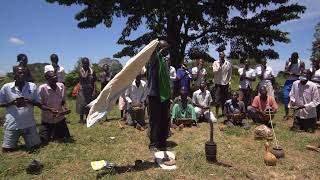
pixel 316 43
pixel 187 24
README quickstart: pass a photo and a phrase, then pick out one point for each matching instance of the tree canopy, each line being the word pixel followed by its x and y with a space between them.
pixel 248 26
pixel 316 44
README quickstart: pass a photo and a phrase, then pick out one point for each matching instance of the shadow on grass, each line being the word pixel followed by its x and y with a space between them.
pixel 139 166
pixel 220 163
pixel 171 144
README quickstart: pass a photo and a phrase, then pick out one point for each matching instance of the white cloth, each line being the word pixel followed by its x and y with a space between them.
pixel 295 69
pixel 316 77
pixel 307 95
pixel 60 72
pixel 173 75
pixel 246 83
pixel 199 76
pixel 222 73
pixel 111 92
pixel 268 73
pixel 135 94
pixel 208 115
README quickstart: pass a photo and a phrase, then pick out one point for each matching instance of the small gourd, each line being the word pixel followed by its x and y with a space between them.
pixel 269 158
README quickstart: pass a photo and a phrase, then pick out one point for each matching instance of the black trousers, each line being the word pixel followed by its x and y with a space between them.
pixel 159 121
pixel 49 131
pixel 304 124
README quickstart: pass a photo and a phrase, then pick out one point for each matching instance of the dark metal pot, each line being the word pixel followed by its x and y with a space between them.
pixel 211 147
pixel 278 152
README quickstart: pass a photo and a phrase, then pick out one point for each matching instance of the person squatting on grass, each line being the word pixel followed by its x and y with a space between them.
pixel 261 104
pixel 235 111
pixel 201 100
pixel 19 98
pixel 53 95
pixel 182 110
pixel 304 98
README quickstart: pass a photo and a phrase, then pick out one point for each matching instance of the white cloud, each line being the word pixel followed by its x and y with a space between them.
pixel 15 40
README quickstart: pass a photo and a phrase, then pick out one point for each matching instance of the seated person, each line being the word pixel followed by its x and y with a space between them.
pixel 235 111
pixel 135 96
pixel 259 109
pixel 53 95
pixel 183 113
pixel 201 100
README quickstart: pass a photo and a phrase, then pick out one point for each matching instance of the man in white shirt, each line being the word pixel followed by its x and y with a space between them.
pixel 315 69
pixel 222 71
pixel 201 100
pixel 199 73
pixel 304 98
pixel 266 75
pixel 56 68
pixel 135 96
pixel 173 79
pixel 247 76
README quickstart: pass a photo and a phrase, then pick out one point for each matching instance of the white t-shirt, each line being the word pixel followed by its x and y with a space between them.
pixel 198 75
pixel 202 98
pixel 173 75
pixel 250 73
pixel 268 73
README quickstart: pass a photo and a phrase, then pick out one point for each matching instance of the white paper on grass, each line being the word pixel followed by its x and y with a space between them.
pixel 111 92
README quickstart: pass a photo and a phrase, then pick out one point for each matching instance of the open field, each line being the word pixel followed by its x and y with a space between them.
pixel 241 155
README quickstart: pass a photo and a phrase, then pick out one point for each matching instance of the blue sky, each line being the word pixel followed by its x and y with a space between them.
pixel 38 29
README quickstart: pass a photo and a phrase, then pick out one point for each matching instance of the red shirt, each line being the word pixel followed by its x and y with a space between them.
pixel 261 105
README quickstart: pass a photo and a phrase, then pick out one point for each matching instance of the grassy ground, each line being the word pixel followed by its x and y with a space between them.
pixel 240 155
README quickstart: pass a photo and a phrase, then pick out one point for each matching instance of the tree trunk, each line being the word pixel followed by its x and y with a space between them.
pixel 174 39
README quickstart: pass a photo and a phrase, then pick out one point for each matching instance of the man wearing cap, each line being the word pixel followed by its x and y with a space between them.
pixel 56 68
pixel 53 95
pixel 304 98
pixel 222 71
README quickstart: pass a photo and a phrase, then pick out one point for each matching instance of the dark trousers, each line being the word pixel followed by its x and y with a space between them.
pixel 304 124
pixel 246 96
pixel 49 131
pixel 159 121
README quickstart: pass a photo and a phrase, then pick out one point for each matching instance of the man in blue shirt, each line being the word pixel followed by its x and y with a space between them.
pixel 18 98
pixel 184 76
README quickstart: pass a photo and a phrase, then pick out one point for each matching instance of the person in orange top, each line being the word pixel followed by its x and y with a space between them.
pixel 259 109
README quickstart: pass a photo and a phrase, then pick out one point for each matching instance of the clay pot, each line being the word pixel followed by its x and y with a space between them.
pixel 211 151
pixel 278 152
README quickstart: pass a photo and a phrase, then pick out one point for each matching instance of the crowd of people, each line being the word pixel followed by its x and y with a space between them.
pixel 172 98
